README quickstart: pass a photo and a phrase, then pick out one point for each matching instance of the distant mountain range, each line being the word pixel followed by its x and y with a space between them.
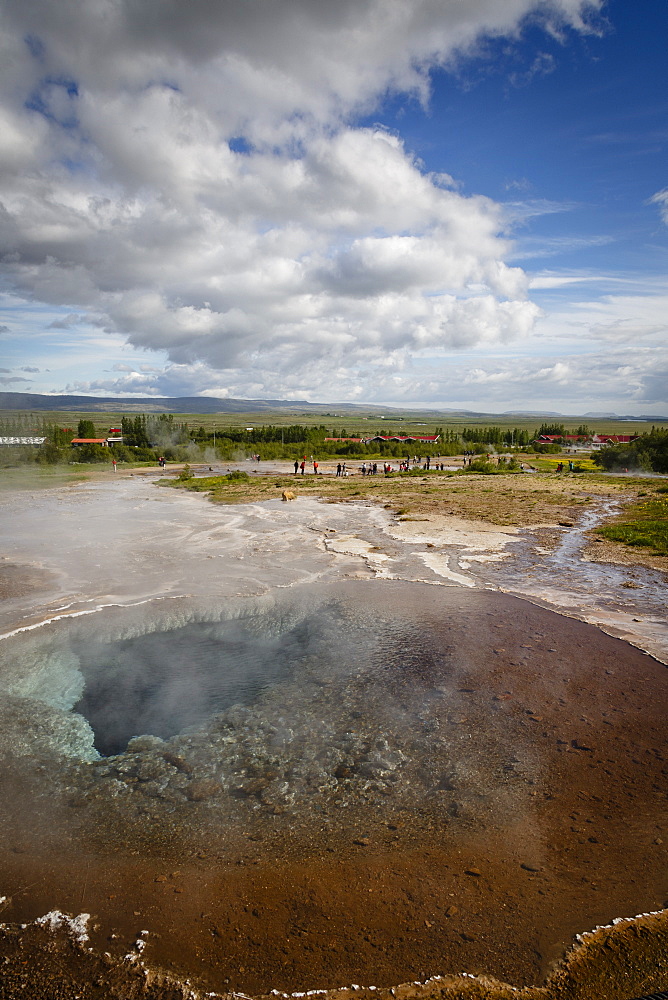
pixel 209 404
pixel 148 404
pixel 589 415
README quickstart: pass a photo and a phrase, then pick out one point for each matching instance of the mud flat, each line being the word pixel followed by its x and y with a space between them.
pixel 441 781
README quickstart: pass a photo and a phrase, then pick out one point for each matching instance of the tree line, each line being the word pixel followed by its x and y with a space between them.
pixel 515 437
pixel 148 436
pixel 648 453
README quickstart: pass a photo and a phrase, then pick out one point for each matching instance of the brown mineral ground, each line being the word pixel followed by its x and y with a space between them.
pixel 529 806
pixel 17 580
pixel 602 550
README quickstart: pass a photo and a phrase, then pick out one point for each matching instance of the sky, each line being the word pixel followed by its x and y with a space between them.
pixel 418 203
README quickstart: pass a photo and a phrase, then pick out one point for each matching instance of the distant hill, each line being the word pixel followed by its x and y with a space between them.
pixel 209 404
pixel 148 404
pixel 643 418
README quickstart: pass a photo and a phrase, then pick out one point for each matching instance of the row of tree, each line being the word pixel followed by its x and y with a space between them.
pixel 145 437
pixel 560 430
pixel 497 437
pixel 154 430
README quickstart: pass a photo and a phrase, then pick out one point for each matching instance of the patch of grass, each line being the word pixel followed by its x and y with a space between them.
pixel 41 477
pixel 202 485
pixel 550 464
pixel 297 482
pixel 483 468
pixel 652 534
pixel 646 526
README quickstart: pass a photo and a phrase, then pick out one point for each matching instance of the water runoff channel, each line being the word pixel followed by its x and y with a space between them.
pixel 303 745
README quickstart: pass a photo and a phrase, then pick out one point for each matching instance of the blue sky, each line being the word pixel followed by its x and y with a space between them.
pixel 411 202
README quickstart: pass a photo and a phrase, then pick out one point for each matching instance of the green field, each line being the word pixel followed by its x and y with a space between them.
pixel 355 423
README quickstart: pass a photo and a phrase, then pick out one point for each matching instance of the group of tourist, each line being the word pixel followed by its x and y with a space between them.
pixel 302 466
pixel 370 469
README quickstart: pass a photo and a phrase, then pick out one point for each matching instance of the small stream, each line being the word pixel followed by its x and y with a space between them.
pixel 603 593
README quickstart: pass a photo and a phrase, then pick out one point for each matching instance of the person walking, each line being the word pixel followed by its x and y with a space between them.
pixel 296 467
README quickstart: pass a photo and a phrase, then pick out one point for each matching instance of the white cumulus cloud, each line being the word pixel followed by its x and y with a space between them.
pixel 190 176
pixel 661 199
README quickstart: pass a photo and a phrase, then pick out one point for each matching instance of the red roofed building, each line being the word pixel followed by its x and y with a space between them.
pixel 425 438
pixel 77 441
pixel 601 440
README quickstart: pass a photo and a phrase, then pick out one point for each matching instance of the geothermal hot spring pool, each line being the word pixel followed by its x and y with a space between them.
pixel 365 781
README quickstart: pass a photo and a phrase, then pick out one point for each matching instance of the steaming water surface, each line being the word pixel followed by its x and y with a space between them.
pixel 164 682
